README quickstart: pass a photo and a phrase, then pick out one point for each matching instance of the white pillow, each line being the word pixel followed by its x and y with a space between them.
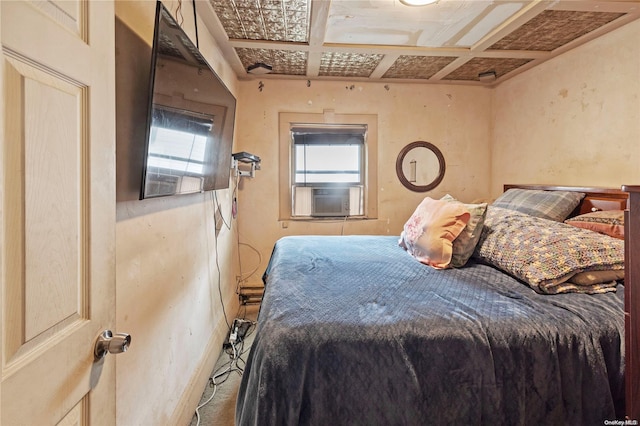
pixel 429 233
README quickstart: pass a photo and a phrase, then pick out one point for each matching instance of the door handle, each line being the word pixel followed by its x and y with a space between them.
pixel 107 342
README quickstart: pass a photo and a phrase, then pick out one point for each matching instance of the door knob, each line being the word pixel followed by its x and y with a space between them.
pixel 107 342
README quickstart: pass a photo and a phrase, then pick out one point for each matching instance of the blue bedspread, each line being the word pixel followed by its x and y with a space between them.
pixel 354 331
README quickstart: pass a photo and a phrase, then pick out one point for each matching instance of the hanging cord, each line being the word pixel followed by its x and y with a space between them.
pixel 179 17
pixel 195 23
pixel 224 312
pixel 216 205
pixel 244 277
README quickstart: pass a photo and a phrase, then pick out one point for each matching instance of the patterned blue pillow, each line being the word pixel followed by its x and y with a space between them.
pixel 552 205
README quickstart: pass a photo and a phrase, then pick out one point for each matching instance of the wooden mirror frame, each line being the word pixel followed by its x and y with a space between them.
pixel 403 178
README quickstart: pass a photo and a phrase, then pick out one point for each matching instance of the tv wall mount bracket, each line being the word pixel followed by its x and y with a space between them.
pixel 250 162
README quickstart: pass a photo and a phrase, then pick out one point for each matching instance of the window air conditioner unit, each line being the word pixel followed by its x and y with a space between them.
pixel 330 202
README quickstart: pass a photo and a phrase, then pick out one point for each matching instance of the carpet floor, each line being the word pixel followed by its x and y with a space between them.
pixel 218 403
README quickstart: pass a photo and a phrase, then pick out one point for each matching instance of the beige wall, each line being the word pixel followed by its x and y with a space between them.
pixel 574 120
pixel 454 118
pixel 169 261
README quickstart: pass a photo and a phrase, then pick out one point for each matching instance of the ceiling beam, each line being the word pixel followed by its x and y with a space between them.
pixel 317 31
pixel 213 24
pixel 384 65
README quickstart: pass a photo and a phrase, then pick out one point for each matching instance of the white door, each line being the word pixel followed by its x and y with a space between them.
pixel 57 211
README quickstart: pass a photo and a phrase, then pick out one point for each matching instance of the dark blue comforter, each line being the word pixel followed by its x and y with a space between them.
pixel 354 331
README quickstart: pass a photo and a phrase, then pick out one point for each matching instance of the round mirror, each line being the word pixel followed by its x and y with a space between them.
pixel 420 166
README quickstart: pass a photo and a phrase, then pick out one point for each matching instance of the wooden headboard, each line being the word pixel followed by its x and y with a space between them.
pixel 594 200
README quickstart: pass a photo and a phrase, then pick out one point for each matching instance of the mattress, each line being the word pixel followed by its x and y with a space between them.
pixel 353 330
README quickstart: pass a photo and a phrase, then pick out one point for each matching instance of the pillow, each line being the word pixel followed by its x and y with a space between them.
pixel 609 222
pixel 547 254
pixel 597 277
pixel 465 243
pixel 429 232
pixel 553 205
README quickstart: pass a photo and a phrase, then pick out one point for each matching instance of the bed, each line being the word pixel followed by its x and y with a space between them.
pixel 364 330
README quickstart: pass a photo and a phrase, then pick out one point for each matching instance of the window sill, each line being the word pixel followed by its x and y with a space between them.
pixel 326 219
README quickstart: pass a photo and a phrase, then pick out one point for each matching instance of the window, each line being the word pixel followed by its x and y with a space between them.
pixel 330 173
pixel 327 164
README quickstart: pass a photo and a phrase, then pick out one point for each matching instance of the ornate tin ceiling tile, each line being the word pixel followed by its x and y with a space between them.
pixel 348 64
pixel 554 28
pixel 422 67
pixel 282 61
pixel 269 20
pixel 476 66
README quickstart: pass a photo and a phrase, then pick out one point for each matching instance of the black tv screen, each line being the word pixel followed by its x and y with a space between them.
pixel 191 113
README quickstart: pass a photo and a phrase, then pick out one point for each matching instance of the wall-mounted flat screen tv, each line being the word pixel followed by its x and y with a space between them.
pixel 191 113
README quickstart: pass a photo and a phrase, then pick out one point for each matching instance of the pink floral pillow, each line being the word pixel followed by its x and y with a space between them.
pixel 429 233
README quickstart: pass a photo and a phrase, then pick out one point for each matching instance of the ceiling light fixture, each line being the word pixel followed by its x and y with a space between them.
pixel 487 77
pixel 259 68
pixel 417 2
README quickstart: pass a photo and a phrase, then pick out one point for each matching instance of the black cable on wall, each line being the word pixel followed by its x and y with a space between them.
pixel 195 23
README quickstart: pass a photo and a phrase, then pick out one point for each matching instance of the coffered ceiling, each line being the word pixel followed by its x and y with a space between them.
pixel 450 41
